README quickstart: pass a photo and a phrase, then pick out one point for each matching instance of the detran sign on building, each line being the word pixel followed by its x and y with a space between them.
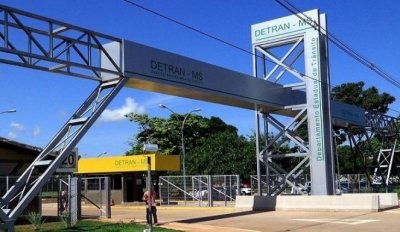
pixel 133 163
pixel 286 26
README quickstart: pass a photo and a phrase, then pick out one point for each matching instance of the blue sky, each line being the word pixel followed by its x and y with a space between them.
pixel 44 101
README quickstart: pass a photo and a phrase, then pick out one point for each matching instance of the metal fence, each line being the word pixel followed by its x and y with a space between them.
pixel 275 180
pixel 203 190
pixel 95 193
pixel 6 182
pixel 346 183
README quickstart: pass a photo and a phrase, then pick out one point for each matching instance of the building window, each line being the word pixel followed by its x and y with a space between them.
pixel 116 182
pixel 93 184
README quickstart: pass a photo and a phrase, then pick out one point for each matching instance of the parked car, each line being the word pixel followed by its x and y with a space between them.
pixel 198 194
pixel 245 191
pixel 302 189
pixel 306 189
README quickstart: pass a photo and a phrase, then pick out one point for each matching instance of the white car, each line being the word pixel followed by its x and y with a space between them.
pixel 198 194
pixel 246 191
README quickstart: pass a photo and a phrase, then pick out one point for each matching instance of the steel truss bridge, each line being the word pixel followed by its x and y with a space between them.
pixel 36 42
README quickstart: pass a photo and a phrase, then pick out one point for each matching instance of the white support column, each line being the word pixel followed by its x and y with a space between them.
pixel 319 117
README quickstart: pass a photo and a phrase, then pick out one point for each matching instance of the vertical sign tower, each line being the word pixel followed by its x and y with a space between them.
pixel 301 42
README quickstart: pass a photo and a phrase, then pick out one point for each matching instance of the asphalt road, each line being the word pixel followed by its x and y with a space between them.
pixel 197 219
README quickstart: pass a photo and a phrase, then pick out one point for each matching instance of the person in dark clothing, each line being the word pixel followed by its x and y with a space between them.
pixel 64 200
pixel 146 199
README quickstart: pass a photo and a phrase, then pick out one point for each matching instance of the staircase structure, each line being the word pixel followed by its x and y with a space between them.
pixel 56 47
pixel 36 42
pixel 381 157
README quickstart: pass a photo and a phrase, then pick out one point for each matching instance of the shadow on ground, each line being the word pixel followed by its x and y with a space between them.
pixel 218 217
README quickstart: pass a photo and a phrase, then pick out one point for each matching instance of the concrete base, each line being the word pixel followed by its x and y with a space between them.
pixel 371 202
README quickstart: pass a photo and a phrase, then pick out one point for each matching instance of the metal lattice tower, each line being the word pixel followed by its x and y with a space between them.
pixel 286 133
pixel 37 42
pixel 298 51
pixel 380 162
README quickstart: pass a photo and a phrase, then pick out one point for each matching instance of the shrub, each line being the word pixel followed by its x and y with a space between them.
pixel 35 219
pixel 66 219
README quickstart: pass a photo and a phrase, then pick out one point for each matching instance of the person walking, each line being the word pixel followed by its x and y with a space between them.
pixel 147 198
pixel 64 200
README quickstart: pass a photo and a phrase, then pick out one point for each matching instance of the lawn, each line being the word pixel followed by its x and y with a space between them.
pixel 88 225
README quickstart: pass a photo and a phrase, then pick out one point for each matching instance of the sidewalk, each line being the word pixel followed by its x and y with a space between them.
pixel 202 228
pixel 227 219
pixel 174 217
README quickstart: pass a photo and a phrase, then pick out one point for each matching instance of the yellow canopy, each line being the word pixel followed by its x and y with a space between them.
pixel 134 163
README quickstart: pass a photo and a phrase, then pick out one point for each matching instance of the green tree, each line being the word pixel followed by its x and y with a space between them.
pixel 151 130
pixel 212 146
pixel 348 163
pixel 166 133
pixel 369 99
pixel 354 93
pixel 223 153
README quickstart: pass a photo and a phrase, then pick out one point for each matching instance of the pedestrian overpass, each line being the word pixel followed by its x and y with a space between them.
pixel 36 42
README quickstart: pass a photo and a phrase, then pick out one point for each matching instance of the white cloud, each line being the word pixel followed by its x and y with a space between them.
pixel 17 126
pixel 159 98
pixel 119 113
pixel 62 114
pixel 36 131
pixel 12 134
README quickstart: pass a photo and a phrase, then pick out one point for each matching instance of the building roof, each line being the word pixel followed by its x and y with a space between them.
pixel 15 157
pixel 11 144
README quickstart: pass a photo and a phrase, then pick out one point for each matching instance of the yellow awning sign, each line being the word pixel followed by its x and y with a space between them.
pixel 134 163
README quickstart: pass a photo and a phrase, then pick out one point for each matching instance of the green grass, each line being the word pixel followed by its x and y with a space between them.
pixel 49 194
pixel 396 190
pixel 88 225
pixel 391 189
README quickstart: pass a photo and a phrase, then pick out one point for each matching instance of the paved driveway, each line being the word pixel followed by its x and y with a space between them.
pixel 227 219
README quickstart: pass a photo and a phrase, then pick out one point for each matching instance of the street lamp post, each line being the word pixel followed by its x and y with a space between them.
pixel 8 111
pixel 183 151
pixel 101 154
